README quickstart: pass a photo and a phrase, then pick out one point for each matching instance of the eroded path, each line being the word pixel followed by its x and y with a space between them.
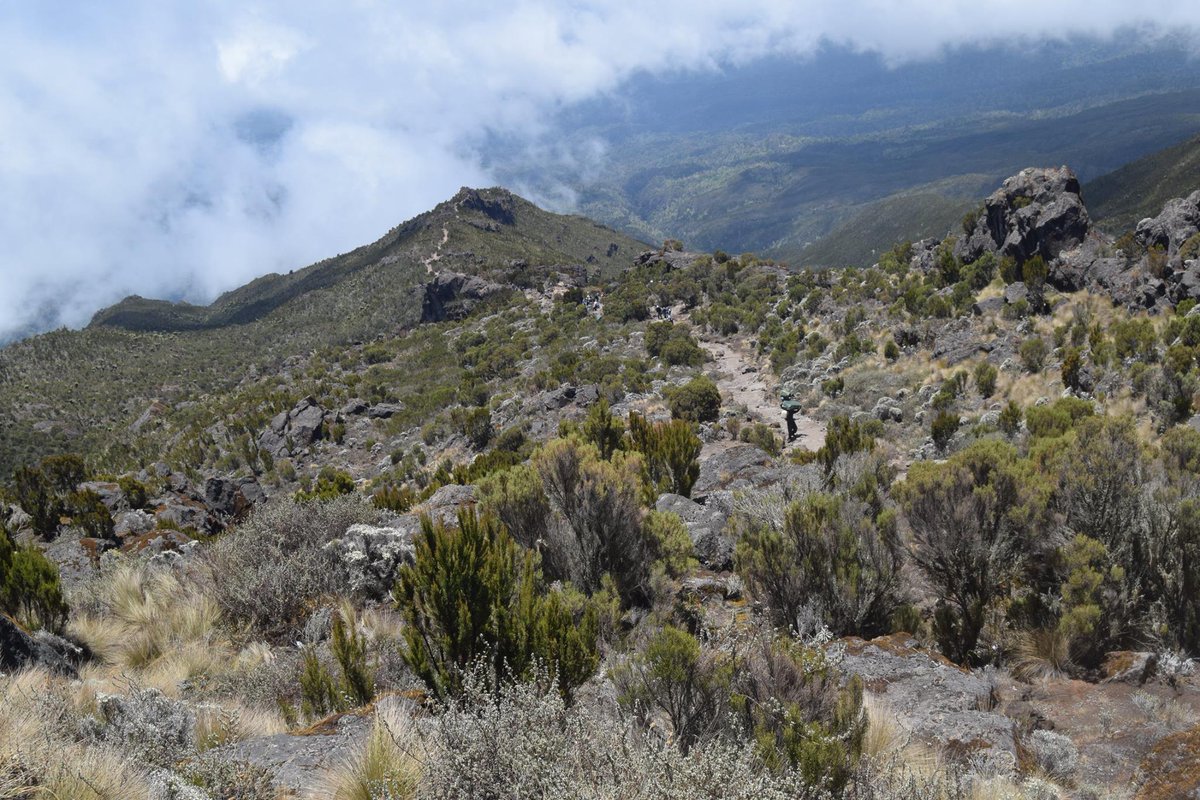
pixel 746 381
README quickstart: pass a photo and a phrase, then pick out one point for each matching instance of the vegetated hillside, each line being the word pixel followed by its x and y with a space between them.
pixel 778 191
pixel 79 389
pixel 554 537
pixel 1120 199
pixel 909 216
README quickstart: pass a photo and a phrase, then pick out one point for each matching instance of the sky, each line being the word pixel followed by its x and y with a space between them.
pixel 179 149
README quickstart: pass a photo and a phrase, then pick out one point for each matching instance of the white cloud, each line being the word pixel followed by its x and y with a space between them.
pixel 182 148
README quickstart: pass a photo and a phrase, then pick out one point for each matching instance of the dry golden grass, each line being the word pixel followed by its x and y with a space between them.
pixel 387 760
pixel 153 623
pixel 39 761
pixel 230 721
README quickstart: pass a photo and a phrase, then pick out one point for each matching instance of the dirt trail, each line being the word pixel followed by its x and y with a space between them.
pixel 746 380
pixel 437 254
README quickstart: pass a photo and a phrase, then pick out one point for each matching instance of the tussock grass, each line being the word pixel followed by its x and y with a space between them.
pixel 39 761
pixel 151 621
pixel 386 766
pixel 1042 653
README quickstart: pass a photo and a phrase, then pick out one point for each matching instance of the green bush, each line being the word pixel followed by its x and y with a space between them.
pixel 603 430
pixel 671 546
pixel 1055 419
pixel 29 585
pixel 976 520
pixel 1033 354
pixel 831 563
pixel 670 455
pixel 763 437
pixel 985 379
pixel 943 428
pixel 88 511
pixel 330 483
pixel 1072 368
pixel 1010 418
pixel 698 400
pixel 472 594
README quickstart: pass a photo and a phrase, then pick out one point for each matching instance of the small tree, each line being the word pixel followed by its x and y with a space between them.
pixel 603 429
pixel 1033 354
pixel 670 454
pixel 1072 368
pixel 973 521
pixel 1010 418
pixel 943 428
pixel 830 563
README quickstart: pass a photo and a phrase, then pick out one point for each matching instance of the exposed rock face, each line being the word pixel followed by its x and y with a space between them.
pixel 705 525
pixel 295 429
pixel 446 502
pixel 452 295
pixel 741 466
pixel 938 701
pixel 19 649
pixel 232 497
pixel 1035 212
pixel 1178 222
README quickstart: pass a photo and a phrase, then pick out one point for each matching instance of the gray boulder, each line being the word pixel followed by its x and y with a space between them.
pixel 741 466
pixel 295 429
pixel 706 524
pixel 1178 221
pixel 443 506
pixel 938 701
pixel 232 497
pixel 20 649
pixel 373 555
pixel 452 295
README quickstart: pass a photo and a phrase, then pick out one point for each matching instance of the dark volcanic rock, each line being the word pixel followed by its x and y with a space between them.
pixel 1035 212
pixel 1178 221
pixel 295 429
pixel 20 649
pixel 232 497
pixel 452 295
pixel 741 466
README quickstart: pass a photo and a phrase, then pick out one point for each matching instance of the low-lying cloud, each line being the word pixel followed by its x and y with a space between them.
pixel 181 149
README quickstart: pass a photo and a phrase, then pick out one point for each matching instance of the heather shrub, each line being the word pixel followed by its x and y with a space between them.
pixel 29 585
pixel 670 455
pixel 269 572
pixel 832 562
pixel 472 594
pixel 698 400
pixel 976 519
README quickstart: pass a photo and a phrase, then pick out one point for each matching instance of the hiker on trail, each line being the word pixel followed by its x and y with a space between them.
pixel 790 406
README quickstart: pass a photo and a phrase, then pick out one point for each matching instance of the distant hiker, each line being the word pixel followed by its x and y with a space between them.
pixel 790 406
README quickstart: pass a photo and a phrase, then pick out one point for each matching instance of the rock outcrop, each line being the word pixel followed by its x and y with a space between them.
pixel 1035 212
pixel 453 295
pixel 295 429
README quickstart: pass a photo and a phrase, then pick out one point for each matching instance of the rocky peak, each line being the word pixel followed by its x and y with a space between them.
pixel 498 205
pixel 1038 211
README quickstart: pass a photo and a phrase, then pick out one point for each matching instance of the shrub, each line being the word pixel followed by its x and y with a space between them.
pixel 89 513
pixel 37 496
pixel 698 400
pixel 670 455
pixel 891 351
pixel 830 563
pixel 763 437
pixel 471 594
pixel 671 545
pixel 943 428
pixel 268 572
pixel 678 678
pixel 974 519
pixel 603 430
pixel 29 585
pixel 136 494
pixel 596 526
pixel 330 483
pixel 985 379
pixel 1010 418
pixel 1033 354
pixel 1072 368
pixel 473 423
pixel 1058 417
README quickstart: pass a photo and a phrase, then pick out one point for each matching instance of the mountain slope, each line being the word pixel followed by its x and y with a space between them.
pixel 1138 190
pixel 74 389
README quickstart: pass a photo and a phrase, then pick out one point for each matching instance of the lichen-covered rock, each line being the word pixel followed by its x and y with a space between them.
pixel 373 555
pixel 740 466
pixel 1172 769
pixel 20 649
pixel 940 702
pixel 443 506
pixel 1178 221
